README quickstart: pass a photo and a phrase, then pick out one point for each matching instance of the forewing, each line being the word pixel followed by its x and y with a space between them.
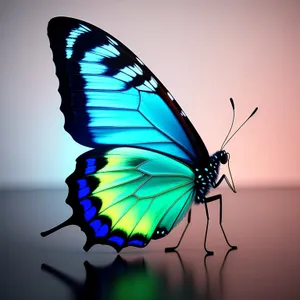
pixel 109 97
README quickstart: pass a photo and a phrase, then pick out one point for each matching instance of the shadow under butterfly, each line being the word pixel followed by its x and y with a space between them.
pixel 137 280
pixel 149 164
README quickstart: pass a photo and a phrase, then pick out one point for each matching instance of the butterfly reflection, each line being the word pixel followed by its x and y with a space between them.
pixel 139 280
pixel 119 280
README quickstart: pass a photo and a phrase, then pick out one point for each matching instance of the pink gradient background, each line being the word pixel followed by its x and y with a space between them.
pixel 203 51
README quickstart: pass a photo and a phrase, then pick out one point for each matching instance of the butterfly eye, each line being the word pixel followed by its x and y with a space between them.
pixel 224 158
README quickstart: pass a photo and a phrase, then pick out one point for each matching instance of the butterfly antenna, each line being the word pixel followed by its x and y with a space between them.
pixel 233 117
pixel 255 110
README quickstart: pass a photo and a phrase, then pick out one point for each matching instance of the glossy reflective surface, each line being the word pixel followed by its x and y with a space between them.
pixel 263 223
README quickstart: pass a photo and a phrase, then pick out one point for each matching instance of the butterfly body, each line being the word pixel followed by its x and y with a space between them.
pixel 149 164
pixel 205 179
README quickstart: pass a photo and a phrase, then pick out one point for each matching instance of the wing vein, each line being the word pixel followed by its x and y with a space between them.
pixel 169 137
pixel 180 212
pixel 132 194
pixel 119 184
pixel 137 223
pixel 188 191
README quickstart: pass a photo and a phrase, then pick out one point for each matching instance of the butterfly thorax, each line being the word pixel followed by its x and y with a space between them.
pixel 206 177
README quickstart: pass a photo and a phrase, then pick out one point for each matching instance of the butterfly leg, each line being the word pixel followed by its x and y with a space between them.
pixel 172 249
pixel 211 199
pixel 208 252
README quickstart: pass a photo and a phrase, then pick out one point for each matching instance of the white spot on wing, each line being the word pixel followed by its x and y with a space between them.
pixel 170 96
pixel 139 61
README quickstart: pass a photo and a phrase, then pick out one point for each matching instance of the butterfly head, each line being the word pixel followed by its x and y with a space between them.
pixel 224 157
pixel 220 156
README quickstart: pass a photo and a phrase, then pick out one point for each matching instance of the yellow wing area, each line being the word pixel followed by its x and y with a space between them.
pixel 142 193
pixel 134 195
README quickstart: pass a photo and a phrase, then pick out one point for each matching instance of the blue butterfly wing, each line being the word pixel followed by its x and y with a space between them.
pixel 109 97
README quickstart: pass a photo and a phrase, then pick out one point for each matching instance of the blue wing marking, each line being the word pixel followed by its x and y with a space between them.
pixel 92 68
pixel 128 71
pixel 90 170
pixel 96 224
pixel 103 231
pixel 86 204
pixel 112 49
pixel 135 68
pixel 73 35
pixel 125 136
pixel 128 99
pixel 100 230
pixel 90 213
pixel 112 41
pixel 136 243
pixel 92 57
pixel 143 87
pixel 123 76
pixel 117 118
pixel 83 192
pixel 82 183
pixel 106 51
pixel 116 239
pixel 103 83
pixel 153 82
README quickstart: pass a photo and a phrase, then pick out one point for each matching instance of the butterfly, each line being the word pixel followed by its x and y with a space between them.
pixel 148 164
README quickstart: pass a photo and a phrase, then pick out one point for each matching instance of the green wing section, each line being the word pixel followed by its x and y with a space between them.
pixel 136 195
